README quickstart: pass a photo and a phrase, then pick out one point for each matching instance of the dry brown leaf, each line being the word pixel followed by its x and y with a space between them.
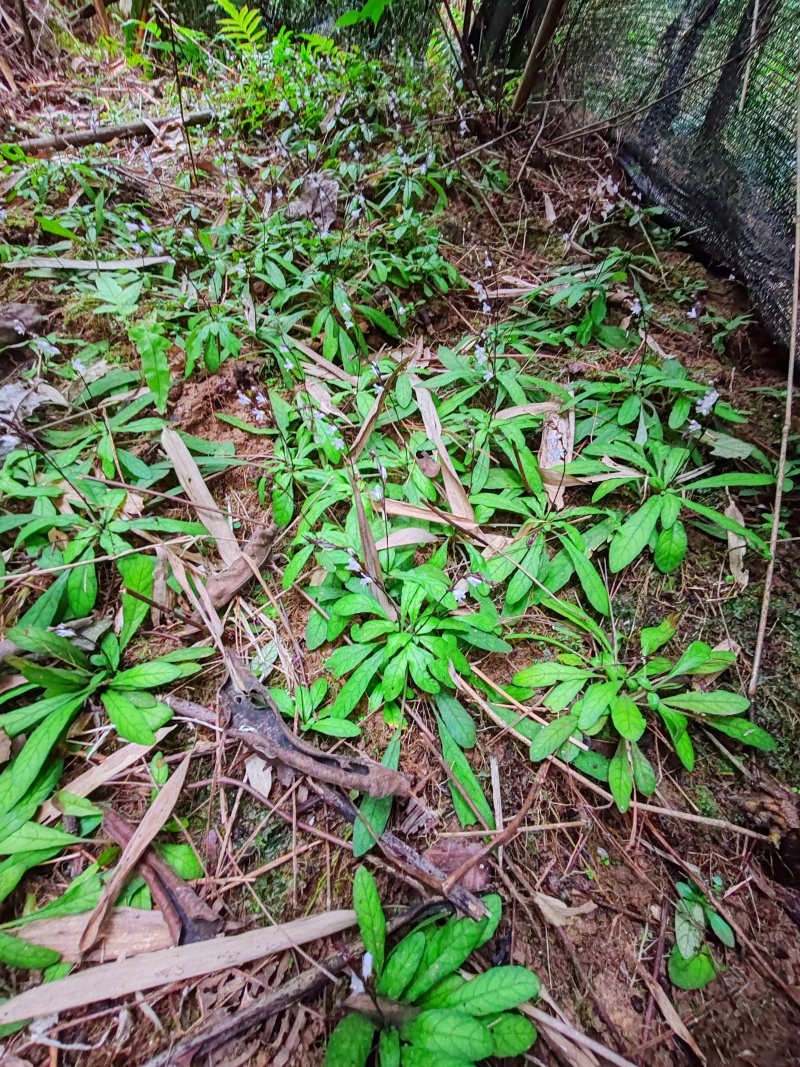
pixel 556 449
pixel 411 511
pixel 318 392
pixel 332 370
pixel 558 913
pixel 372 564
pixel 673 1020
pixel 368 424
pixel 429 467
pixel 737 545
pixel 155 817
pixel 199 597
pixel 223 586
pixel 549 210
pixel 128 932
pixel 547 407
pixel 5 746
pixel 85 784
pixel 409 535
pixel 113 980
pixel 197 491
pixel 456 494
pixel 449 853
pixel 259 774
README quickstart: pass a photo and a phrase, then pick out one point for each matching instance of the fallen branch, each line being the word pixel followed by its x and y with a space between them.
pixel 103 134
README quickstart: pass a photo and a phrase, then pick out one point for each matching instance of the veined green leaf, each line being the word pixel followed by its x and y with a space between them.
pixel 350 1043
pixel 627 717
pixel 449 1033
pixel 670 550
pixel 128 719
pixel 17 778
pixel 465 777
pixel 37 639
pixel 596 700
pixel 745 731
pixel 137 575
pixel 655 637
pixel 33 837
pixel 375 811
pixel 620 779
pixel 694 973
pixel 643 774
pixel 401 966
pixel 356 685
pixel 553 736
pixel 548 673
pixel 720 702
pixel 15 952
pixel 152 346
pixel 512 1035
pixel 632 538
pixel 149 675
pixel 496 990
pixel 371 920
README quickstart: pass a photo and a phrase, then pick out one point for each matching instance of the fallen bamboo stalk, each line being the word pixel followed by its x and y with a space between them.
pixel 104 134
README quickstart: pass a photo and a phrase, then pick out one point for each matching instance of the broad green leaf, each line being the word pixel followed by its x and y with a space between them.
pixel 414 1056
pixel 720 702
pixel 356 685
pixel 401 966
pixel 137 575
pixel 71 804
pixel 654 637
pixel 670 549
pixel 335 727
pixel 676 725
pixel 441 992
pixel 466 779
pixel 13 869
pixel 16 722
pixel 394 675
pixel 350 1043
pixel 371 920
pixel 721 928
pixel 591 582
pixel 553 736
pixel 695 656
pixel 726 523
pixel 389 1049
pixel 743 730
pixel 694 973
pixel 620 780
pixel 82 586
pixel 128 719
pixel 498 989
pixel 548 673
pixel 181 857
pixel 643 774
pixel 453 945
pixel 152 346
pixel 33 837
pixel 148 675
pixel 17 778
pixel 15 952
pixel 347 658
pixel 670 510
pixel 627 717
pixel 357 604
pixel 632 538
pixel 689 926
pixel 512 1035
pixel 595 702
pixel 294 567
pixel 37 639
pixel 449 1033
pixel 456 718
pixel 375 811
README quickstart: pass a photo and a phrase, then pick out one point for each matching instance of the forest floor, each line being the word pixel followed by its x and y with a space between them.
pixel 469 324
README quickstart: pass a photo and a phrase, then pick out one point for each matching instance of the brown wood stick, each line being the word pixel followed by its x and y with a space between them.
pixel 104 134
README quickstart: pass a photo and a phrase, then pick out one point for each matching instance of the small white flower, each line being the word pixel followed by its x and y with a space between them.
pixel 346 309
pixel 158 249
pixel 376 493
pixel 356 985
pixel 288 365
pixel 356 155
pixel 245 401
pixel 366 580
pixel 379 390
pixel 692 313
pixel 705 405
pixel 463 129
pixel 475 579
pixel 401 310
pixel 78 365
pixel 259 415
pixel 460 595
pixel 366 966
pixel 283 349
pixel 260 398
pixel 731 277
pixel 480 355
pixel 487 308
pixel 44 346
pixel 694 426
pixel 63 631
pixel 348 324
pixel 132 227
pixel 353 565
pixel 338 444
pixel 423 169
pixel 283 105
pixel 145 226
pixel 488 261
pixel 636 307
pixel 488 374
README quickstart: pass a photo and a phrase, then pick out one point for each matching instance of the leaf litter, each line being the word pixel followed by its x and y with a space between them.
pixel 426 525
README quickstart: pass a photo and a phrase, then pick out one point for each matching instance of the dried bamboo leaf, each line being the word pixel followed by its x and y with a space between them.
pixel 197 491
pixel 557 913
pixel 155 817
pixel 547 407
pixel 372 564
pixel 113 980
pixel 737 545
pixel 556 449
pixel 409 535
pixel 456 494
pixel 128 932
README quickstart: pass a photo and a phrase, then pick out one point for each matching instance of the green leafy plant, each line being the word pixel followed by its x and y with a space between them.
pixel 691 964
pixel 611 697
pixel 418 1003
pixel 241 26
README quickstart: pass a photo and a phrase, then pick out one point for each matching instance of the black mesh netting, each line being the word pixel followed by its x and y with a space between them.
pixel 706 91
